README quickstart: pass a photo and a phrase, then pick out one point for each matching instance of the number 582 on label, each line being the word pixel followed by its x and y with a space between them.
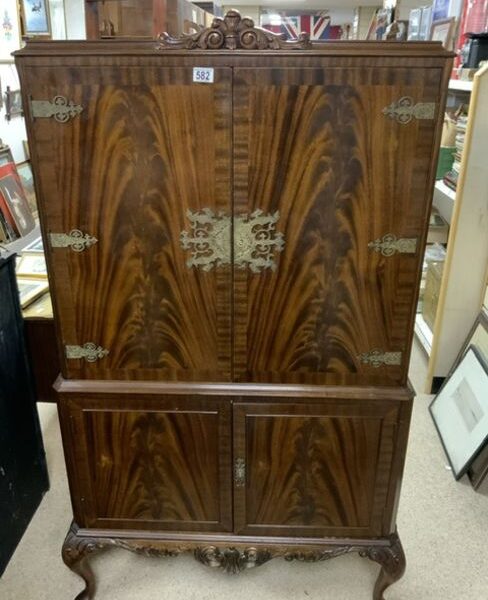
pixel 203 74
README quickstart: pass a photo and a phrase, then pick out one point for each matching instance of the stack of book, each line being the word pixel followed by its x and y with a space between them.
pixel 451 177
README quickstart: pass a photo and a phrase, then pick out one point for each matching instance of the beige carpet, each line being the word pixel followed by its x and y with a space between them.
pixel 443 525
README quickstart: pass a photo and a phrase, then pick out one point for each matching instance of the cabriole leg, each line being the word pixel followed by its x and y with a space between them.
pixel 75 553
pixel 392 560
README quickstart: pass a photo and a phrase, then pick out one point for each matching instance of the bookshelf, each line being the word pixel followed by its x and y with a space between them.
pixel 466 268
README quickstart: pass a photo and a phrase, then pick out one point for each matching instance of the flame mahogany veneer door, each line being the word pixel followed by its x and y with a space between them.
pixel 314 148
pixel 149 462
pixel 148 147
pixel 317 469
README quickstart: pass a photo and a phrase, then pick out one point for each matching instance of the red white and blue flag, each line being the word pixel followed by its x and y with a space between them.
pixel 318 27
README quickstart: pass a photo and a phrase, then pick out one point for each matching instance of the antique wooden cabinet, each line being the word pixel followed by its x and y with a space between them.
pixel 234 228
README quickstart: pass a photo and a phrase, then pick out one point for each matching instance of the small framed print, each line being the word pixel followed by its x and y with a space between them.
pixel 440 9
pixel 31 289
pixel 31 265
pixel 24 170
pixel 35 15
pixel 13 103
pixel 40 308
pixel 443 31
pixel 35 246
pixel 5 155
pixel 460 412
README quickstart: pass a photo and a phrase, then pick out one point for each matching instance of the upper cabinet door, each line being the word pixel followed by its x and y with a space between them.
pixel 133 167
pixel 332 174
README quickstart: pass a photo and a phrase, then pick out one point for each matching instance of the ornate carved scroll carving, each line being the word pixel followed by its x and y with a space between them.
pixel 387 552
pixel 232 560
pixel 233 32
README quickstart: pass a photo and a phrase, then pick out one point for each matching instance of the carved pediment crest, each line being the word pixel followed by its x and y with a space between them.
pixel 233 32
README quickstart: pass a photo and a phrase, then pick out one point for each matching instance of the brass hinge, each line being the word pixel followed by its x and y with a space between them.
pixel 75 239
pixel 89 351
pixel 406 109
pixel 389 245
pixel 377 358
pixel 60 108
pixel 240 472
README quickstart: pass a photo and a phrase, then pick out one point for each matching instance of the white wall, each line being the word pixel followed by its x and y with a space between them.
pixel 12 132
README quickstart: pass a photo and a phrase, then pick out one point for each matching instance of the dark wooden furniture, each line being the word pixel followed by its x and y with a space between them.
pixel 235 268
pixel 23 473
pixel 40 337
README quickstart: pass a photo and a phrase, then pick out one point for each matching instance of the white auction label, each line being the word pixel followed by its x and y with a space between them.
pixel 203 74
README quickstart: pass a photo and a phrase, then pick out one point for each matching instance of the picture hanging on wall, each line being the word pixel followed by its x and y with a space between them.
pixel 35 15
pixel 13 103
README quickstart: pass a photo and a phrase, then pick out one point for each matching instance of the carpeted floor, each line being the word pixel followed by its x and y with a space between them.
pixel 443 526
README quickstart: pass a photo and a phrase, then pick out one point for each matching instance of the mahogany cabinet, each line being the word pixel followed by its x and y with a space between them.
pixel 234 265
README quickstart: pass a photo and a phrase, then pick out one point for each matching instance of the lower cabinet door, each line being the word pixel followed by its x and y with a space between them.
pixel 313 469
pixel 149 462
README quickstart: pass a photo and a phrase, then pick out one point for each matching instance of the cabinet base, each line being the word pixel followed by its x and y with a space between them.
pixel 387 552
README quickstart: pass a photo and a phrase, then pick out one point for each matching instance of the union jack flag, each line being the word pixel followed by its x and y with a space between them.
pixel 318 27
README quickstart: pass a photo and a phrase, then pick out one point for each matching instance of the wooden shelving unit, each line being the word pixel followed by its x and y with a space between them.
pixel 460 85
pixel 466 268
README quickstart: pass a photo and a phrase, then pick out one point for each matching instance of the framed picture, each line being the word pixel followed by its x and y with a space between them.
pixel 35 17
pixel 478 469
pixel 25 173
pixel 443 31
pixel 13 103
pixel 13 196
pixel 414 20
pixel 477 337
pixel 460 412
pixel 5 155
pixel 30 290
pixel 440 9
pixel 9 30
pixel 35 246
pixel 40 308
pixel 31 265
pixel 425 23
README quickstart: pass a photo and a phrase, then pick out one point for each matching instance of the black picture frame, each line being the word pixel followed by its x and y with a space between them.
pixel 460 466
